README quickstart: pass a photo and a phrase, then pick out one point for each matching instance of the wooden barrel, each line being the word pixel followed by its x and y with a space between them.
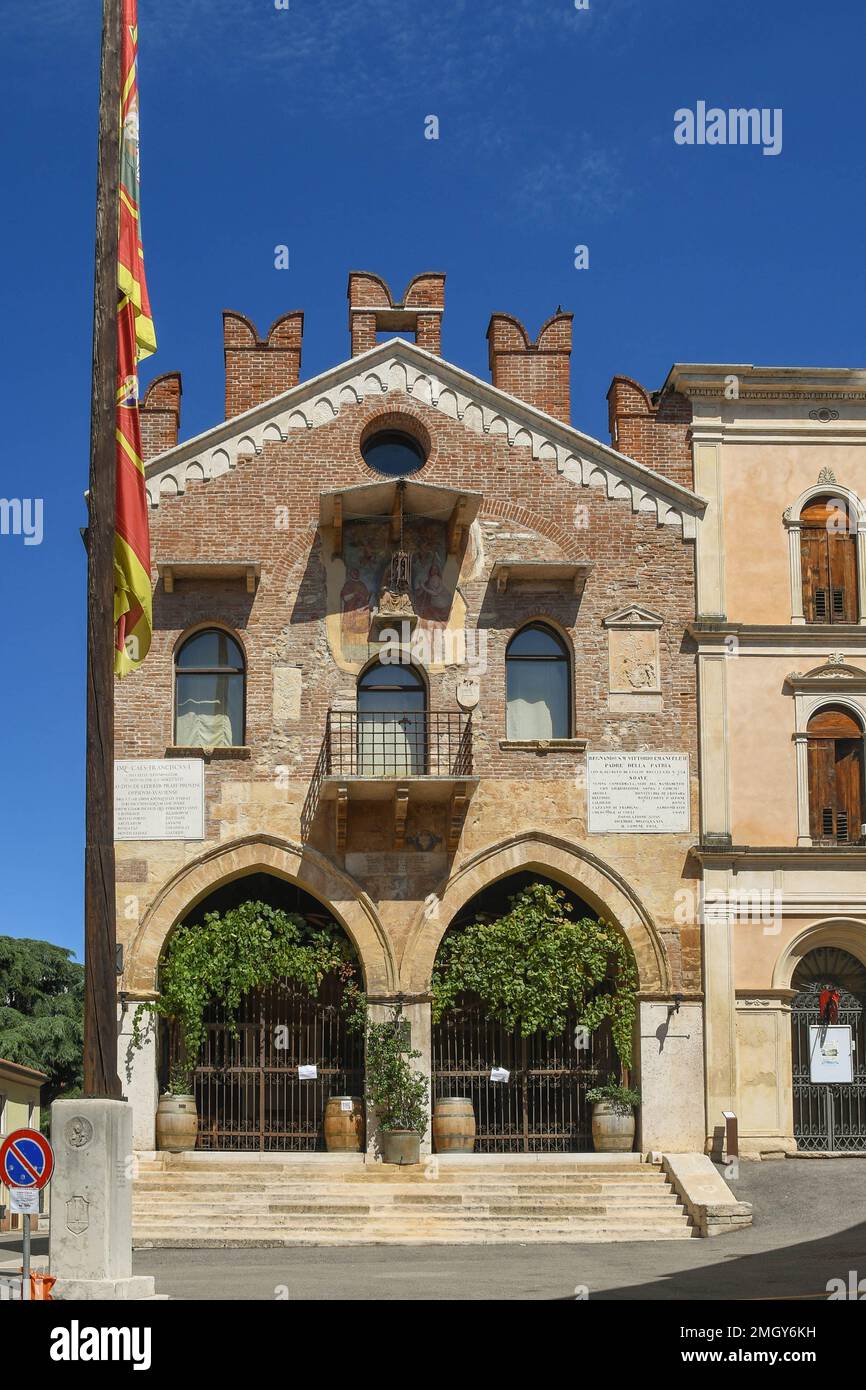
pixel 344 1125
pixel 453 1125
pixel 176 1123
pixel 612 1132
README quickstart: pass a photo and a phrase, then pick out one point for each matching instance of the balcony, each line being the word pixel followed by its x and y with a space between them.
pixel 394 756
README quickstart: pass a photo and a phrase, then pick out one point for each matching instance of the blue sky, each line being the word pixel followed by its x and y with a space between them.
pixel 305 127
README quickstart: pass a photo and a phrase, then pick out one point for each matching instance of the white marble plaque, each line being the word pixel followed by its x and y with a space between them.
pixel 637 793
pixel 159 799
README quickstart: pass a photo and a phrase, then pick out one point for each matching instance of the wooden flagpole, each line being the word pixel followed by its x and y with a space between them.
pixel 100 1008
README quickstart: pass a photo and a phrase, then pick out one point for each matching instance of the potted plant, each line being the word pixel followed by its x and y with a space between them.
pixel 176 1113
pixel 613 1123
pixel 399 1093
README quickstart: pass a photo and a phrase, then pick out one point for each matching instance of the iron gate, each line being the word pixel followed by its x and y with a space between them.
pixel 247 1088
pixel 829 1118
pixel 542 1108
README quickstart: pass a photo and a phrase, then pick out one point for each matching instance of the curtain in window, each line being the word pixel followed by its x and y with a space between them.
pixel 537 700
pixel 391 743
pixel 209 711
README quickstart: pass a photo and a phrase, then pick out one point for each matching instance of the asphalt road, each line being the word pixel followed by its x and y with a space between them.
pixel 809 1227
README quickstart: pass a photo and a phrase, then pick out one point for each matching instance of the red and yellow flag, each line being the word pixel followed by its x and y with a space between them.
pixel 135 340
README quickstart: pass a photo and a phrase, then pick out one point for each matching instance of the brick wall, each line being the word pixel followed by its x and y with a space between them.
pixel 537 372
pixel 259 369
pixel 654 430
pixel 160 415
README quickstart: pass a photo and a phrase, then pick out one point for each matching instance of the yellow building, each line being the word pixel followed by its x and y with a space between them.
pixel 20 1088
pixel 780 457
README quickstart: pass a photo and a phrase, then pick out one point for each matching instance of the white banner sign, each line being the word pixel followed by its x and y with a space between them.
pixel 637 793
pixel 159 799
pixel 308 1073
pixel 24 1200
pixel 500 1074
pixel 830 1049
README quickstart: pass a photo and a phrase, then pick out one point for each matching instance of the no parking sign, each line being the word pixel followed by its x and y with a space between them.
pixel 26 1159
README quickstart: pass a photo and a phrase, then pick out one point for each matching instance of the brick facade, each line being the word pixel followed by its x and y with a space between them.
pixel 265 509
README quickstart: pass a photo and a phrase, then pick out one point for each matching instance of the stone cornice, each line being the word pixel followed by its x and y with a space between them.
pixel 707 380
pixel 714 635
pixel 399 366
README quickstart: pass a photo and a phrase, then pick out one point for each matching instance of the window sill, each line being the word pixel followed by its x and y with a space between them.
pixel 236 752
pixel 543 745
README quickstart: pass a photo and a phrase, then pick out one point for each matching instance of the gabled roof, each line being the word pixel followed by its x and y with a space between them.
pixel 397 365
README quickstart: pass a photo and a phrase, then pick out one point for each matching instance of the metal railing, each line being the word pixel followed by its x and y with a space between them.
pixel 396 743
pixel 390 745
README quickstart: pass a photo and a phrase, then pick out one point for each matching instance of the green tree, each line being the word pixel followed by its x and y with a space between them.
pixel 42 1013
pixel 533 964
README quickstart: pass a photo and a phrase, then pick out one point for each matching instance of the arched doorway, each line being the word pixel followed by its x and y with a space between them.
pixel 542 1106
pixel 392 721
pixel 249 1091
pixel 828 1117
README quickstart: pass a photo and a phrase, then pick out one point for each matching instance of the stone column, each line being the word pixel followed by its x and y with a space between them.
pixel 417 1015
pixel 90 1247
pixel 671 1075
pixel 136 1067
pixel 765 1094
pixel 719 1022
pixel 801 746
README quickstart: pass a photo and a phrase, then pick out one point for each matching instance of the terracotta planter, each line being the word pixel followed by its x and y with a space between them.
pixel 344 1125
pixel 176 1124
pixel 401 1146
pixel 611 1132
pixel 453 1125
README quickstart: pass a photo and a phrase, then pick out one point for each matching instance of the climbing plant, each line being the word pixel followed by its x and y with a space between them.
pixel 245 948
pixel 533 964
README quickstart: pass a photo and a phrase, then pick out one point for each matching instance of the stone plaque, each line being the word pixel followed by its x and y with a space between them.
pixel 159 799
pixel 638 793
pixel 287 694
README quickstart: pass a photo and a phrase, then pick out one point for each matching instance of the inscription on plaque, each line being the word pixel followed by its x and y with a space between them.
pixel 638 793
pixel 159 800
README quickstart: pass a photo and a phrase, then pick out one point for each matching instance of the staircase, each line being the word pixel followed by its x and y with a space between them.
pixel 216 1200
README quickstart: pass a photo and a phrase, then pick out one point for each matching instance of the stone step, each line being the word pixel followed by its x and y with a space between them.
pixel 442 1221
pixel 352 1191
pixel 230 1182
pixel 589 1235
pixel 410 1202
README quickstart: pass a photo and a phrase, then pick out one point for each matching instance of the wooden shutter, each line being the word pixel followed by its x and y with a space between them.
pixel 835 762
pixel 822 789
pixel 828 559
pixel 843 577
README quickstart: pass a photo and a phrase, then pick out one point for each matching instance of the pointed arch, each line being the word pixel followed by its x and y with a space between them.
pixel 311 870
pixel 571 865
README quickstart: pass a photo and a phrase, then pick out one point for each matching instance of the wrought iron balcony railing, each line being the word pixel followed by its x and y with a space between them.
pixel 398 744
pixel 371 747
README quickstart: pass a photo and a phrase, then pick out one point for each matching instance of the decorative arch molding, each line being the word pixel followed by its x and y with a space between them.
pixel 845 933
pixel 834 682
pixel 826 486
pixel 572 866
pixel 311 870
pixel 407 370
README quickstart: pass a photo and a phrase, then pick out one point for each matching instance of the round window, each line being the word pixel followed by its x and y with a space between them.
pixel 393 453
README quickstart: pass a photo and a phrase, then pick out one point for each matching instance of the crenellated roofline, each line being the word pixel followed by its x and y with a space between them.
pixel 397 365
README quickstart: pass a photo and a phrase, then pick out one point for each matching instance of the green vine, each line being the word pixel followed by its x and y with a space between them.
pixel 246 948
pixel 535 963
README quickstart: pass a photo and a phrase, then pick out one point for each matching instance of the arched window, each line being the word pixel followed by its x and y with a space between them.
pixel 392 722
pixel 394 453
pixel 538 680
pixel 828 561
pixel 835 748
pixel 209 691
